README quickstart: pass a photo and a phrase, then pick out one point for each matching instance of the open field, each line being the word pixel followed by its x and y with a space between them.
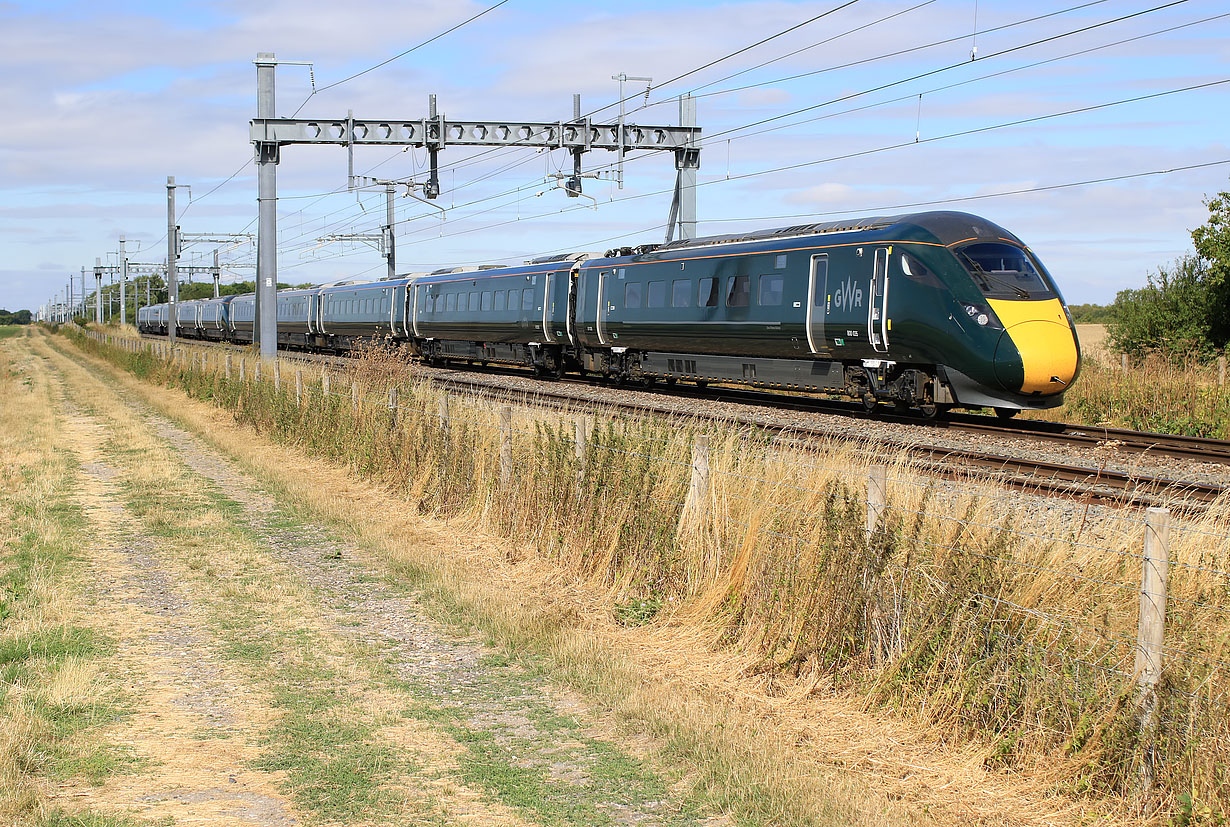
pixel 803 689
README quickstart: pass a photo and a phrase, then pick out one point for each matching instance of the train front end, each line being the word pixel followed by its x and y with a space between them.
pixel 1036 354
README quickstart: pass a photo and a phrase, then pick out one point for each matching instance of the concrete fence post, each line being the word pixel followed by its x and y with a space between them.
pixel 259 370
pixel 442 412
pixel 324 383
pixel 243 364
pixel 1155 575
pixel 877 496
pixel 277 374
pixel 354 395
pixel 505 446
pixel 228 367
pixel 697 503
pixel 298 387
pixel 392 407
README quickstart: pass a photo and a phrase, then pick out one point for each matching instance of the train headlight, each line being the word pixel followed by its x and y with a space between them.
pixel 982 315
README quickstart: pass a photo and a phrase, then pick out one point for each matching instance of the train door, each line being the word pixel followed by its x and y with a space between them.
pixel 877 307
pixel 844 301
pixel 570 323
pixel 817 301
pixel 548 297
pixel 602 308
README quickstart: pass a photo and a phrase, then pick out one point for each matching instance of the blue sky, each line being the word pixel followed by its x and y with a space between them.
pixel 105 100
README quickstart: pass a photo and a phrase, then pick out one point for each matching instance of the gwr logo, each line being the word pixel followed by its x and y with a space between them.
pixel 848 296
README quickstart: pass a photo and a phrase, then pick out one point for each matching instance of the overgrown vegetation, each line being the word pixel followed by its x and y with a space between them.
pixel 1155 393
pixel 1002 625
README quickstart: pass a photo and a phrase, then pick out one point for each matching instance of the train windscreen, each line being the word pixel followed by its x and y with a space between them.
pixel 1004 271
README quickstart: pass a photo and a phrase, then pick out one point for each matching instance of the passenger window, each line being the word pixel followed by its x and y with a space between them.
pixel 780 262
pixel 681 293
pixel 527 299
pixel 771 290
pixel 655 294
pixel 738 291
pixel 500 295
pixel 708 294
pixel 450 302
pixel 514 299
pixel 463 302
pixel 474 301
pixel 486 301
pixel 632 295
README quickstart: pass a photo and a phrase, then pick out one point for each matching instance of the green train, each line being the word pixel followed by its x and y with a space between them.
pixel 929 311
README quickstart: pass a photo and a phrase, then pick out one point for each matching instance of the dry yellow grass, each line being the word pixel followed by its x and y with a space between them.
pixel 742 606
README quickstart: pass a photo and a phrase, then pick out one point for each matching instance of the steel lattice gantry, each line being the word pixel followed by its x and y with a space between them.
pixel 434 133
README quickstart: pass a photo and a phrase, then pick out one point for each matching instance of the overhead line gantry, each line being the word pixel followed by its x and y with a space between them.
pixel 434 133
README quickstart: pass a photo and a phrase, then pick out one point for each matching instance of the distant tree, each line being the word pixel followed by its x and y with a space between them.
pixel 18 317
pixel 1091 313
pixel 205 289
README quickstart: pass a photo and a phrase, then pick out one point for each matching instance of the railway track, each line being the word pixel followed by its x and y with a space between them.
pixel 1034 475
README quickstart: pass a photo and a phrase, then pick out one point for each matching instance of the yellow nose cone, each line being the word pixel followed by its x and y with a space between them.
pixel 1040 332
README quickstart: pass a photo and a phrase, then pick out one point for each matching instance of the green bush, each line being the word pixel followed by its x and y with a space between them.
pixel 1168 316
pixel 1184 310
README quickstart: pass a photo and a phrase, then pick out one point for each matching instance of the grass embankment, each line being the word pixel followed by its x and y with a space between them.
pixel 964 611
pixel 54 696
pixel 348 731
pixel 1155 394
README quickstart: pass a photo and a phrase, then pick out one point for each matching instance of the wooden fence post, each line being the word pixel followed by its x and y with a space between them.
pixel 442 412
pixel 1151 633
pixel 324 383
pixel 505 446
pixel 354 395
pixel 277 374
pixel 392 407
pixel 877 496
pixel 259 366
pixel 298 387
pixel 243 364
pixel 1221 371
pixel 1123 362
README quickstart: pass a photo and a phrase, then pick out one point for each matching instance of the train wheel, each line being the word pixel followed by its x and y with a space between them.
pixel 931 410
pixel 1006 413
